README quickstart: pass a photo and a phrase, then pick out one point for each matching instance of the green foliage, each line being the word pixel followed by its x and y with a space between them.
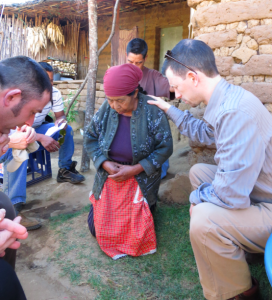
pixel 72 112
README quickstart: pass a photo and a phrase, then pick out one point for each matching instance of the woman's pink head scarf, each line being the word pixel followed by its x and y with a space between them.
pixel 122 80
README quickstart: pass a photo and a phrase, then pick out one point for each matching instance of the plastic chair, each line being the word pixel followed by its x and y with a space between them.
pixel 268 259
pixel 39 166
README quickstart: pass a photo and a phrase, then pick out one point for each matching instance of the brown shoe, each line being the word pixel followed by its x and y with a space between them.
pixel 29 224
pixel 251 294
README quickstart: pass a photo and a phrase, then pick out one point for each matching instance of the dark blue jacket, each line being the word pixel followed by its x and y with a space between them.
pixel 151 142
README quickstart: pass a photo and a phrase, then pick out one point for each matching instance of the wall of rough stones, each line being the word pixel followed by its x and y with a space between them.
pixel 68 88
pixel 240 34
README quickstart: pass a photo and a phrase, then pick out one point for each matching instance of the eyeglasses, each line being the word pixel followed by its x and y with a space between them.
pixel 168 54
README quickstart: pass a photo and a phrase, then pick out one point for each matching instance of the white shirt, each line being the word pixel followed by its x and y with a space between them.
pixel 57 106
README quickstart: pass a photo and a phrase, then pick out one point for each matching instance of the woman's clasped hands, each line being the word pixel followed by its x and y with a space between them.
pixel 119 172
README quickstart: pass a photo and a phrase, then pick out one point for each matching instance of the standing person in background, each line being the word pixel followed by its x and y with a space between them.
pixel 153 82
pixel 24 91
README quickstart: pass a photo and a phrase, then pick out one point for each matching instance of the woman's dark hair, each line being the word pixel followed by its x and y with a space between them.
pixel 137 46
pixel 193 53
pixel 141 90
pixel 46 66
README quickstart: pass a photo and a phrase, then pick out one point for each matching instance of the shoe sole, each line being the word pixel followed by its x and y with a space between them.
pixel 34 227
pixel 70 181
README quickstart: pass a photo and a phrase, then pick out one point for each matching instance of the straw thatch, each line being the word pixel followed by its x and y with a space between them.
pixel 78 8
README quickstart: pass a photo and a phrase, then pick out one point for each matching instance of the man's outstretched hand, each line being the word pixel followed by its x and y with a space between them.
pixel 9 232
pixel 160 103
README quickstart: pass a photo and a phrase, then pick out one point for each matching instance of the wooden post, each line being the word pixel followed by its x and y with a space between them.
pixel 91 85
pixel 115 39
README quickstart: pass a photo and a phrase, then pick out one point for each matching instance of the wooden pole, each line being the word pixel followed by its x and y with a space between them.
pixel 91 85
pixel 115 39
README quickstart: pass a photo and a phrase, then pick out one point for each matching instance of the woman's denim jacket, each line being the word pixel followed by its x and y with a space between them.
pixel 151 142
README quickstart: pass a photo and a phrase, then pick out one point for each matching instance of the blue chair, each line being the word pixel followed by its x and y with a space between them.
pixel 268 259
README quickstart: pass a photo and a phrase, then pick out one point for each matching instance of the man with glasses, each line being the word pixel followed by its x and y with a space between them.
pixel 153 82
pixel 231 205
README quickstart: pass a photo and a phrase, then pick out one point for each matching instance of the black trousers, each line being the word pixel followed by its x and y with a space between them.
pixel 10 287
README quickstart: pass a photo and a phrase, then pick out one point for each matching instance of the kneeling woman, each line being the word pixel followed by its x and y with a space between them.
pixel 128 141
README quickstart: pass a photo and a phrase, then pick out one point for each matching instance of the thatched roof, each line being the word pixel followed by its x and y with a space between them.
pixel 78 8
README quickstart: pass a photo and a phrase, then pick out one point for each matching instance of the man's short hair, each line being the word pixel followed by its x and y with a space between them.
pixel 194 54
pixel 24 73
pixel 137 46
pixel 46 66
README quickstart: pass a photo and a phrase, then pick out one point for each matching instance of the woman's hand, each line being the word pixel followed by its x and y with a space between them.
pixel 125 172
pixel 111 167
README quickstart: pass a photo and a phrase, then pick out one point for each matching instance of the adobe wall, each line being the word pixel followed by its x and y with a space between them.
pixel 240 34
pixel 149 21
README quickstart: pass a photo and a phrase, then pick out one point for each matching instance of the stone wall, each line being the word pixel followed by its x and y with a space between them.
pixel 240 34
pixel 69 88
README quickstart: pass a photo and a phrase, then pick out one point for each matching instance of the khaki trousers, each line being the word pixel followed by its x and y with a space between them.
pixel 219 237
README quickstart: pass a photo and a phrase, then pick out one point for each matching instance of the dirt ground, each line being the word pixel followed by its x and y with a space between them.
pixel 40 276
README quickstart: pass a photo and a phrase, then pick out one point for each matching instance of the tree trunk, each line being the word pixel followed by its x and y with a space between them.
pixel 91 84
pixel 115 38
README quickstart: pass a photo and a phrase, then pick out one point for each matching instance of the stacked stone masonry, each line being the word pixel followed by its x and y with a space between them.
pixel 69 88
pixel 240 34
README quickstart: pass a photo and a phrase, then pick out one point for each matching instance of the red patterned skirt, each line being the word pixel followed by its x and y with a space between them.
pixel 123 222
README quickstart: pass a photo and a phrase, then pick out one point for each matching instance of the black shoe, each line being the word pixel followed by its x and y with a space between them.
pixel 71 175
